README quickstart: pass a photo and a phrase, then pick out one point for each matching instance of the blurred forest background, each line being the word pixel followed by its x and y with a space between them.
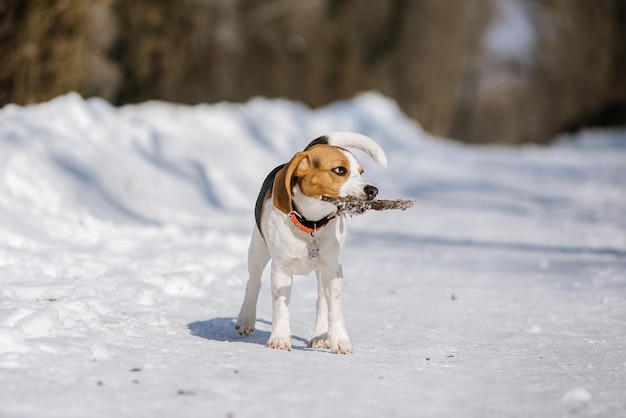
pixel 508 71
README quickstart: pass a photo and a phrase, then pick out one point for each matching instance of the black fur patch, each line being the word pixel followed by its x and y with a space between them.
pixel 266 189
pixel 317 141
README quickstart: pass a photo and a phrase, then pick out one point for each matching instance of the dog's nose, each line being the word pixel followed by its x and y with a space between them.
pixel 370 192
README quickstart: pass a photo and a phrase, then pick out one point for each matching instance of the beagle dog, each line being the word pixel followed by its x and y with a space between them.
pixel 301 233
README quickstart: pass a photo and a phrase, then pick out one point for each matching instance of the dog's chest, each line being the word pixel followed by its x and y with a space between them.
pixel 304 253
pixel 301 252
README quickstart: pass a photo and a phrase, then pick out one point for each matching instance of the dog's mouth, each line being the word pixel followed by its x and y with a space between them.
pixel 355 203
pixel 368 194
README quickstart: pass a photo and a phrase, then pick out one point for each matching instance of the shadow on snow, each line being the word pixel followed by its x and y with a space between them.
pixel 223 329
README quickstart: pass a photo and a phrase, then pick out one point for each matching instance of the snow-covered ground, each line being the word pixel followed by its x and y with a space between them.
pixel 123 240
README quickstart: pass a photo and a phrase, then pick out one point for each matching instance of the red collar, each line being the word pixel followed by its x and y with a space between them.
pixel 307 226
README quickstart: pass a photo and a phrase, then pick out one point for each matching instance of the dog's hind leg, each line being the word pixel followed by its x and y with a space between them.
pixel 258 256
pixel 320 332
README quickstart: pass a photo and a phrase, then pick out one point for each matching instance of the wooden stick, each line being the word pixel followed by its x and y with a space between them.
pixel 355 206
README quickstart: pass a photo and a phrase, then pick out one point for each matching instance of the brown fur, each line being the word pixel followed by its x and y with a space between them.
pixel 312 170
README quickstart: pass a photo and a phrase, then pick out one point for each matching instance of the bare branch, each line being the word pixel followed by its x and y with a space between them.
pixel 355 206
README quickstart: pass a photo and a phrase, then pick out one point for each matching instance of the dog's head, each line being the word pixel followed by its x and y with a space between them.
pixel 325 169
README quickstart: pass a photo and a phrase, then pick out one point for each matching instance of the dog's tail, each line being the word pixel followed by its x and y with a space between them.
pixel 353 140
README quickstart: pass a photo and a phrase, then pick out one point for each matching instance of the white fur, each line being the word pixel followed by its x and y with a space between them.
pixel 287 246
pixel 354 185
pixel 312 209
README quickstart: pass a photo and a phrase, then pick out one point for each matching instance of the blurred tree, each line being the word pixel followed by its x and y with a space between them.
pixel 43 44
pixel 479 70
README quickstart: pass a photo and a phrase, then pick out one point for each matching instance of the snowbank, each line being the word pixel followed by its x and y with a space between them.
pixel 123 239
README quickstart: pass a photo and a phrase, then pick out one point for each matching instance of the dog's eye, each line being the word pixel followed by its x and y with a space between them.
pixel 340 171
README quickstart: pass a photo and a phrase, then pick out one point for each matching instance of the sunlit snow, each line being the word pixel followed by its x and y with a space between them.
pixel 123 241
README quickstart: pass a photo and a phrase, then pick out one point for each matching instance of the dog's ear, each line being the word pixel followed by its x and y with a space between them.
pixel 286 178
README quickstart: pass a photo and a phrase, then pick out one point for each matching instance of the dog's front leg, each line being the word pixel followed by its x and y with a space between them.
pixel 332 280
pixel 281 292
pixel 320 332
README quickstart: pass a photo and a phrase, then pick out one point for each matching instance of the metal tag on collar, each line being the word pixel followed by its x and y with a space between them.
pixel 312 248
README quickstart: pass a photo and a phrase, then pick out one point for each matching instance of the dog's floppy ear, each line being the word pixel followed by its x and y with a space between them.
pixel 285 179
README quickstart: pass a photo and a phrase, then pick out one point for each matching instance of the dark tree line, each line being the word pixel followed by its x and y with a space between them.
pixel 429 55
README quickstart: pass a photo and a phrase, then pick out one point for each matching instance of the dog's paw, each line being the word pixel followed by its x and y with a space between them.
pixel 342 346
pixel 320 341
pixel 279 343
pixel 245 326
